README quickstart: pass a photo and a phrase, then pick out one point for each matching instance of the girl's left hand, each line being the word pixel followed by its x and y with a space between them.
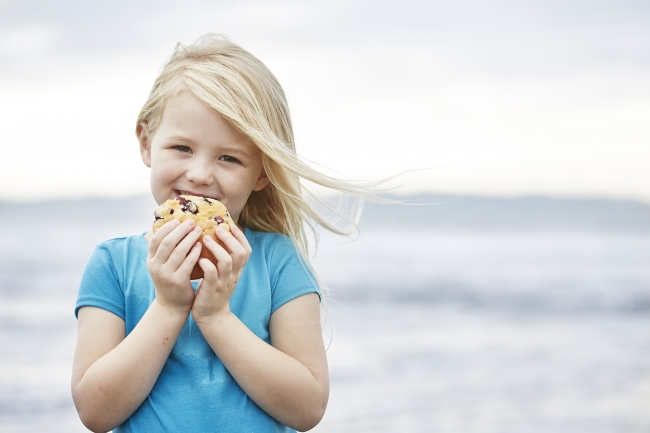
pixel 212 298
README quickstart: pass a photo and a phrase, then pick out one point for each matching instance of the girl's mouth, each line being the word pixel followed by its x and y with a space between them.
pixel 185 192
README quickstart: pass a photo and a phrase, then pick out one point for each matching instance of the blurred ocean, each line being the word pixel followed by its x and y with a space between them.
pixel 469 315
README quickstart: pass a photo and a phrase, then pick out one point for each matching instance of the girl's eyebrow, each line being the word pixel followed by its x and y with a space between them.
pixel 179 138
pixel 226 148
pixel 233 150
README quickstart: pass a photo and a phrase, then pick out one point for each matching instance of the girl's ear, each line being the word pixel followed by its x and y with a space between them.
pixel 261 182
pixel 145 144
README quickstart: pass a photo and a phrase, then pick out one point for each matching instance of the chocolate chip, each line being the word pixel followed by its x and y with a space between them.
pixel 184 203
pixel 171 211
pixel 218 219
pixel 209 202
pixel 155 215
pixel 192 207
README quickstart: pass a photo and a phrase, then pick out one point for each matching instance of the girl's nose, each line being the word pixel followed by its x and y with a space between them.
pixel 200 172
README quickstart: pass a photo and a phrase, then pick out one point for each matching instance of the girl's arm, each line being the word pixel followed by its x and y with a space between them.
pixel 113 374
pixel 288 378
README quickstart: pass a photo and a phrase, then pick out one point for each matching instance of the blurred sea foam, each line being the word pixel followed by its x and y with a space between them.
pixel 470 315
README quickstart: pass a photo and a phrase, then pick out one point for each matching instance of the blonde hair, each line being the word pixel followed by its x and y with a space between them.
pixel 245 93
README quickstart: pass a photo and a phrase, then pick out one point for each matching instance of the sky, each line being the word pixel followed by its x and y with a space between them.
pixel 498 98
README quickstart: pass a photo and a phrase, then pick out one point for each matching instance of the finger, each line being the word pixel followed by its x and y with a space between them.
pixel 210 273
pixel 184 247
pixel 172 239
pixel 241 237
pixel 216 249
pixel 233 245
pixel 157 237
pixel 224 260
pixel 190 260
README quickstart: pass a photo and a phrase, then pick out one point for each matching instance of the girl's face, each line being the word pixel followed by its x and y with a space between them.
pixel 195 151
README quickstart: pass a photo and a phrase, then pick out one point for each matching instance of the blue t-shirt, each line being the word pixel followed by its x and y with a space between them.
pixel 195 392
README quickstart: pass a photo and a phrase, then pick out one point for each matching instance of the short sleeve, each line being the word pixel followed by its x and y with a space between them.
pixel 100 286
pixel 290 275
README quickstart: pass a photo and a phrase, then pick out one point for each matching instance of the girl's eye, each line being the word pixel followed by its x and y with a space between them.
pixel 229 159
pixel 183 149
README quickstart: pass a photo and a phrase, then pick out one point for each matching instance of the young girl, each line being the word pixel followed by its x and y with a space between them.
pixel 242 351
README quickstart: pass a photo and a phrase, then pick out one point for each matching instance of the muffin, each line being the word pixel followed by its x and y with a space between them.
pixel 207 213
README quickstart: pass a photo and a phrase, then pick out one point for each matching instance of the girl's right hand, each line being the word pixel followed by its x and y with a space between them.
pixel 173 252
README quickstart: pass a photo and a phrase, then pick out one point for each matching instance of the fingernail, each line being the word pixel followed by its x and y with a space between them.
pixel 197 245
pixel 190 222
pixel 207 239
pixel 221 230
pixel 197 229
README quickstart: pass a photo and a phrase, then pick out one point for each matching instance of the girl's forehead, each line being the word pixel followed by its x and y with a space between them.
pixel 185 111
pixel 187 118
